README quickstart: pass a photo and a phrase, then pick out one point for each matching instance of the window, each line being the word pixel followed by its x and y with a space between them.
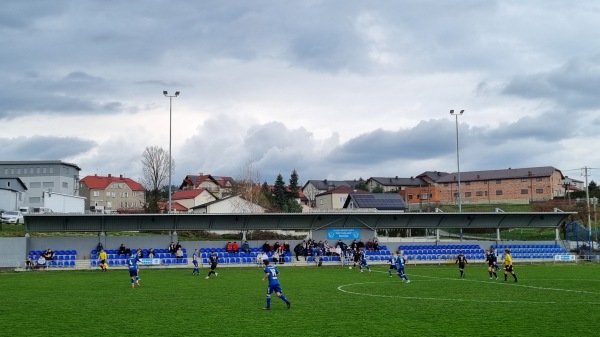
pixel 424 196
pixel 485 182
pixel 35 184
pixel 51 170
pixel 34 200
pixel 467 194
pixel 498 192
pixel 468 183
pixel 19 171
pixel 38 170
pixel 48 184
pixel 524 191
pixel 523 180
pixel 5 171
pixel 44 170
pixel 539 190
pixel 479 193
pixel 96 193
pixel 445 184
pixel 498 181
pixel 65 185
pixel 12 171
pixel 410 196
pixel 539 179
pixel 107 194
pixel 456 194
pixel 31 170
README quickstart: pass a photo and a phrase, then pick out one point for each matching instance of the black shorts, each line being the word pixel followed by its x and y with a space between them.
pixel 356 258
pixel 213 266
pixel 491 265
pixel 508 268
pixel 461 266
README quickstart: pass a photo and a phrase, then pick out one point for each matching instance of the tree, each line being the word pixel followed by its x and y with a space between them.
pixel 155 168
pixel 361 185
pixel 293 206
pixel 279 200
pixel 248 187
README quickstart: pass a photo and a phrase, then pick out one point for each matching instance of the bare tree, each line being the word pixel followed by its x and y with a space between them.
pixel 155 163
pixel 248 187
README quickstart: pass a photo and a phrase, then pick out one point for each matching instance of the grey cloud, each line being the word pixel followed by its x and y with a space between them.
pixel 575 85
pixel 43 147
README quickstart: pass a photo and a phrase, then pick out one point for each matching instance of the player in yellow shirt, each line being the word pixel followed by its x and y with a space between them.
pixel 508 265
pixel 102 258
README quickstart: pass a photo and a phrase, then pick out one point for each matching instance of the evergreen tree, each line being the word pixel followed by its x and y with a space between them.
pixel 293 206
pixel 279 200
pixel 361 185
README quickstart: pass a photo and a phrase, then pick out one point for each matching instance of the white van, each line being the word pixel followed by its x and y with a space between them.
pixel 25 210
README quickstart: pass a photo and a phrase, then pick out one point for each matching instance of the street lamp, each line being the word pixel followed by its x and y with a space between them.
pixel 458 157
pixel 170 118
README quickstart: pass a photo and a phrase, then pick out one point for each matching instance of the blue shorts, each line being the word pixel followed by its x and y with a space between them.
pixel 133 272
pixel 195 263
pixel 393 266
pixel 275 288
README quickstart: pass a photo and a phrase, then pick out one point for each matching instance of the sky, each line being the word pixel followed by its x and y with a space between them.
pixel 332 89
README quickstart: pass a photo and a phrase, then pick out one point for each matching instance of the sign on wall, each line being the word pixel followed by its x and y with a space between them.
pixel 343 233
pixel 150 262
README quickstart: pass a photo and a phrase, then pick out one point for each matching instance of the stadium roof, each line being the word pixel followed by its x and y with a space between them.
pixel 287 221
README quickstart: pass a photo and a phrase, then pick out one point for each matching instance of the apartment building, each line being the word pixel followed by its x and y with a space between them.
pixel 111 193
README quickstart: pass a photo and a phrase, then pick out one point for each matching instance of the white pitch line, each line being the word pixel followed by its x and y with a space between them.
pixel 340 288
pixel 516 285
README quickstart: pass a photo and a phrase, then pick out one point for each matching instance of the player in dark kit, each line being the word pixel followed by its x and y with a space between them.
pixel 492 262
pixel 214 261
pixel 461 259
pixel 132 262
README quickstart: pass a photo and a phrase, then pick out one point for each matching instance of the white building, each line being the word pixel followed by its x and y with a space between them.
pixel 42 176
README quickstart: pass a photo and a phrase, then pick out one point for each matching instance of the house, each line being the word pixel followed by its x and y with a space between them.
pixel 387 184
pixel 521 185
pixel 423 194
pixel 335 198
pixel 375 201
pixel 111 193
pixel 12 191
pixel 231 204
pixel 219 186
pixel 314 187
pixel 192 198
pixel 42 176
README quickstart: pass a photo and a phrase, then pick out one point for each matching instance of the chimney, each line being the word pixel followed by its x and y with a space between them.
pixel 109 175
pixel 121 176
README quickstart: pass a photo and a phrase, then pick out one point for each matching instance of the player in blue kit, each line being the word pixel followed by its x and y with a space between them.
pixel 363 261
pixel 195 261
pixel 272 273
pixel 400 262
pixel 392 263
pixel 133 269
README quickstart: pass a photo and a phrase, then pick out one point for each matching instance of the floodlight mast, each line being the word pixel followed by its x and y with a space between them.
pixel 456 114
pixel 166 93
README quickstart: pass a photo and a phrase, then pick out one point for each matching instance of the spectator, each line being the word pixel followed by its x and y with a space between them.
pixel 177 246
pixel 151 253
pixel 276 246
pixel 99 247
pixel 246 247
pixel 140 253
pixel 298 250
pixel 261 258
pixel 49 254
pixel 122 249
pixel 354 245
pixel 265 247
pixel 361 245
pixel 375 244
pixel 338 251
pixel 286 247
pixel 369 245
pixel 235 248
pixel 41 263
pixel 172 249
pixel 28 264
pixel 229 247
pixel 280 254
pixel 179 253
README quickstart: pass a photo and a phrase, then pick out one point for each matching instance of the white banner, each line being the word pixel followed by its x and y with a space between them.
pixel 150 262
pixel 565 258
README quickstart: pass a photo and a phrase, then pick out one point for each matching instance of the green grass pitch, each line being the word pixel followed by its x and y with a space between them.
pixel 548 300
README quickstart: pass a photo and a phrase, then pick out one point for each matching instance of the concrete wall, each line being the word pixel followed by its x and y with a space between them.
pixel 12 252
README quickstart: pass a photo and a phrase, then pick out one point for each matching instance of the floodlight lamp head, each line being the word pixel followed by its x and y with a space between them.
pixel 177 94
pixel 165 92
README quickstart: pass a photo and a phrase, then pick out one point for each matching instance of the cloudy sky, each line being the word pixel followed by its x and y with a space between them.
pixel 333 89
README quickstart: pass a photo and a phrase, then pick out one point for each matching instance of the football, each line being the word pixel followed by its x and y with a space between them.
pixel 350 267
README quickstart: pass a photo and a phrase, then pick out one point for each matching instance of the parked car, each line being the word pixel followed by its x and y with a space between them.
pixel 13 217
